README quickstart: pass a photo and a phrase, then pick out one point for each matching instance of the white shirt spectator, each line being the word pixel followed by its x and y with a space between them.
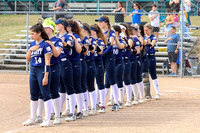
pixel 187 8
pixel 155 22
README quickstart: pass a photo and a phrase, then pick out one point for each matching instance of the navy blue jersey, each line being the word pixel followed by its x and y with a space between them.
pixel 38 56
pixel 149 49
pixel 57 43
pixel 90 56
pixel 85 42
pixel 126 53
pixel 136 44
pixel 118 52
pixel 73 54
pixel 96 55
pixel 108 48
pixel 65 53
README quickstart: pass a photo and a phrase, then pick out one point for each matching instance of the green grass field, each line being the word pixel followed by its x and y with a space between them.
pixel 12 24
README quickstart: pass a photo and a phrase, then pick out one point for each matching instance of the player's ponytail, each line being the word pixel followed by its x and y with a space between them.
pixel 39 28
pixel 75 28
pixel 99 32
pixel 117 28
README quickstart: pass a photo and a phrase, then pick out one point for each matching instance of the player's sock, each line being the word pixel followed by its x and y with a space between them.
pixel 114 90
pixel 121 92
pixel 72 100
pixel 93 99
pixel 79 101
pixel 141 89
pixel 85 100
pixel 111 95
pixel 128 92
pixel 135 92
pixel 67 102
pixel 97 94
pixel 40 107
pixel 103 97
pixel 156 86
pixel 48 106
pixel 62 100
pixel 34 105
pixel 56 106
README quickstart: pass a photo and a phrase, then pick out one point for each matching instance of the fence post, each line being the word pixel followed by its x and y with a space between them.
pixel 27 34
pixel 182 34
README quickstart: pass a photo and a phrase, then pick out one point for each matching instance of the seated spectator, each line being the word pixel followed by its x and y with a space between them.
pixel 119 18
pixel 169 21
pixel 173 41
pixel 155 20
pixel 136 18
pixel 187 5
pixel 175 19
pixel 60 7
pixel 174 4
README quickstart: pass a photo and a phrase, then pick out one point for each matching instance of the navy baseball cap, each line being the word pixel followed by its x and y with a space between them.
pixel 102 19
pixel 59 21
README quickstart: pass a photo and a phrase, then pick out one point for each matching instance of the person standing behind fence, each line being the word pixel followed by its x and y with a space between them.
pixel 60 7
pixel 173 49
pixel 155 20
pixel 169 21
pixel 187 5
pixel 119 17
pixel 136 18
pixel 174 4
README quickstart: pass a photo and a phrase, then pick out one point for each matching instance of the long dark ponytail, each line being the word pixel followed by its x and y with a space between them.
pixel 39 28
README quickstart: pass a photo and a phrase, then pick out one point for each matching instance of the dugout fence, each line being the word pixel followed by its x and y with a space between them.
pixel 12 58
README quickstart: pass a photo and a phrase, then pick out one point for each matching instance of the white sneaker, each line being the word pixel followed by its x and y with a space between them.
pixel 128 104
pixel 46 123
pixel 57 121
pixel 28 122
pixel 135 102
pixel 141 101
pixel 65 113
pixel 157 97
pixel 110 103
pixel 38 119
pixel 71 117
pixel 85 113
pixel 102 109
pixel 93 111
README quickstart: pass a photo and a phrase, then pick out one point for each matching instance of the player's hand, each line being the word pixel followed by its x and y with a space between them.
pixel 149 41
pixel 176 51
pixel 49 42
pixel 34 48
pixel 44 81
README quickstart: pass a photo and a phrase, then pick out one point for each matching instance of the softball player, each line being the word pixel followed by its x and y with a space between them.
pixel 66 71
pixel 39 55
pixel 127 64
pixel 145 74
pixel 97 33
pixel 150 42
pixel 135 49
pixel 118 47
pixel 108 57
pixel 85 46
pixel 75 31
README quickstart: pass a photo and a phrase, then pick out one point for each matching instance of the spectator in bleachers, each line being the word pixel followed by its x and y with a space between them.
pixel 173 41
pixel 136 18
pixel 155 20
pixel 187 5
pixel 60 7
pixel 174 4
pixel 169 21
pixel 175 19
pixel 119 18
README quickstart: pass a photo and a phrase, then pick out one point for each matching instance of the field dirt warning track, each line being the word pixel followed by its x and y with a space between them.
pixel 178 111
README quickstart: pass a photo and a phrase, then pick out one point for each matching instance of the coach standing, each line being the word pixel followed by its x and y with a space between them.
pixel 60 7
pixel 174 39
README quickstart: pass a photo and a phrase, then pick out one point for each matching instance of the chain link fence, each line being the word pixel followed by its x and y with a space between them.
pixel 176 55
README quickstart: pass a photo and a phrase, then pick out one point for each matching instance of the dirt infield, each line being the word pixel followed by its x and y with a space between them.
pixel 177 111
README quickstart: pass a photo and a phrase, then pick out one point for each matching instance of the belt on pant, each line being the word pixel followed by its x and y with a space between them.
pixel 125 57
pixel 107 53
pixel 63 59
pixel 150 54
